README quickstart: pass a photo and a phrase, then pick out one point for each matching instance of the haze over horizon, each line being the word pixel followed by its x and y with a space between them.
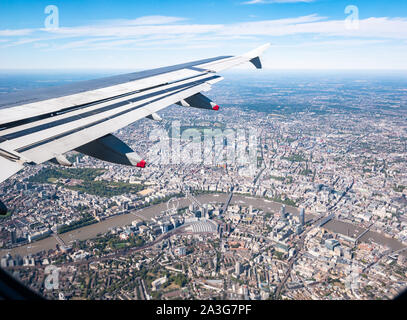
pixel 314 35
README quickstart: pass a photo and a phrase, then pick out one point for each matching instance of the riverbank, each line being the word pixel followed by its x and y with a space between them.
pixel 94 230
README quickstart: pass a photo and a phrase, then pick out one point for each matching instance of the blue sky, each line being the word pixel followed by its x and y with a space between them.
pixel 106 34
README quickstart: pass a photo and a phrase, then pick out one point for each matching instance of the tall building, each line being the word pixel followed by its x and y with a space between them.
pixel 283 214
pixel 215 263
pixel 331 243
pixel 206 210
pixel 302 217
pixel 238 268
pixel 198 214
pixel 180 251
pixel 13 236
pixel 283 211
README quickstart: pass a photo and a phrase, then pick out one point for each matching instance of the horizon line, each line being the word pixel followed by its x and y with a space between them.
pixel 228 71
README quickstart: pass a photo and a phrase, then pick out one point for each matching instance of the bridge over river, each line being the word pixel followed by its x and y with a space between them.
pixel 92 231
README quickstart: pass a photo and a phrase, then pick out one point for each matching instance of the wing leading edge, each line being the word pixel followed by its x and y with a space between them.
pixel 44 124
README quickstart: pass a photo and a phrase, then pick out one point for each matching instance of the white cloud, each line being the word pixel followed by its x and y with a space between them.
pixel 164 27
pixel 333 43
pixel 395 28
pixel 146 20
pixel 131 31
pixel 12 33
pixel 317 36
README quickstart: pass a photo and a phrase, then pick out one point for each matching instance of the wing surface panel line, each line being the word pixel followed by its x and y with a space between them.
pixel 90 113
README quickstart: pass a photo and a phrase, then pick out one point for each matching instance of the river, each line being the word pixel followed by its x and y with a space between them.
pixel 93 230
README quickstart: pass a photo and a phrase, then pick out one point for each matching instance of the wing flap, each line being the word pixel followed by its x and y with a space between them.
pixel 17 138
pixel 20 106
pixel 43 127
pixel 64 142
pixel 8 168
pixel 47 107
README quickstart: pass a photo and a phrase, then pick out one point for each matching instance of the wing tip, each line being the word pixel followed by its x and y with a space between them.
pixel 256 62
pixel 258 51
pixel 254 55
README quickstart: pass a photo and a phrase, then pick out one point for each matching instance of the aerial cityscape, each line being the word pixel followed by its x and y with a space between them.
pixel 204 158
pixel 320 214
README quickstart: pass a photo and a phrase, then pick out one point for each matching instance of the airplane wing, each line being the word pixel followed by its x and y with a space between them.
pixel 41 125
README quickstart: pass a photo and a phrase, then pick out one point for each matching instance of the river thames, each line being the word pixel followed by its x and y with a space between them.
pixel 92 231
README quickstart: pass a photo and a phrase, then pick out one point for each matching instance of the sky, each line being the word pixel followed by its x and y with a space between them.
pixel 134 35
